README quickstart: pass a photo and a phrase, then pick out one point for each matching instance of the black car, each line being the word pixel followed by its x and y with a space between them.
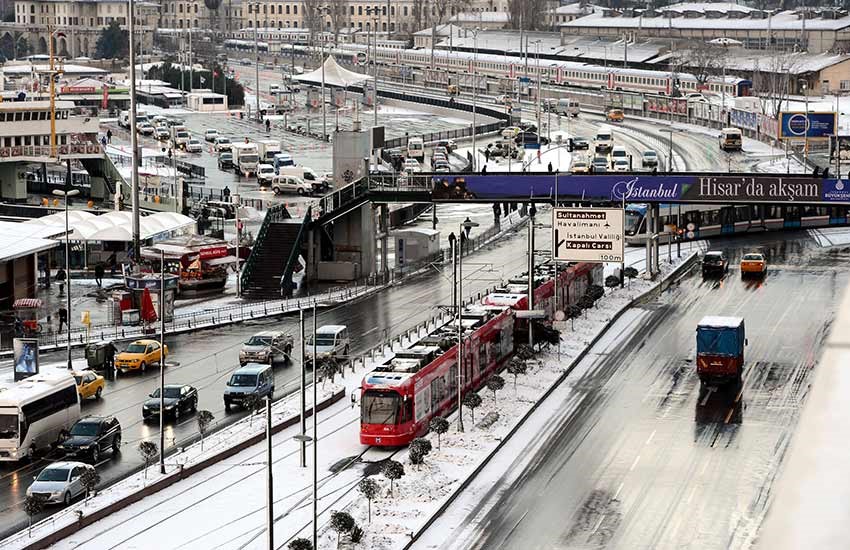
pixel 714 263
pixel 528 127
pixel 92 435
pixel 580 143
pixel 179 399
pixel 225 160
pixel 530 137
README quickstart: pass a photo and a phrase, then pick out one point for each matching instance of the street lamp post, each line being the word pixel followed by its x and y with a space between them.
pixel 67 194
pixel 474 98
pixel 134 136
pixel 237 200
pixel 465 228
pixel 161 361
pixel 805 86
pixel 256 55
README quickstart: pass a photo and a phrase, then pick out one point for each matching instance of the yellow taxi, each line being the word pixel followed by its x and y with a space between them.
pixel 579 167
pixel 753 263
pixel 614 115
pixel 139 355
pixel 89 384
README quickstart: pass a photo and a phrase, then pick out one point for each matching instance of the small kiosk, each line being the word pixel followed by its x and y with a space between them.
pixel 201 263
pixel 137 283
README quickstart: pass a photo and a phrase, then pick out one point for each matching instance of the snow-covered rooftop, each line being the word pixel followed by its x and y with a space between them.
pixel 786 20
pixel 483 17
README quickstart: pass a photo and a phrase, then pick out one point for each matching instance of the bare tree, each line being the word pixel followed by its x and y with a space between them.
pixel 338 12
pixel 446 8
pixel 703 61
pixel 527 14
pixel 421 11
pixel 773 80
pixel 312 16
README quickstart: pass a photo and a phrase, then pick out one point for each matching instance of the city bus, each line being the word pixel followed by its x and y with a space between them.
pixel 36 413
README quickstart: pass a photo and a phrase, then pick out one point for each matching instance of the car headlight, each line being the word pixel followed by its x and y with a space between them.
pixel 169 406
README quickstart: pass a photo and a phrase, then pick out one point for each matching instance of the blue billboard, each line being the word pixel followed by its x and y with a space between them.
pixel 693 188
pixel 801 125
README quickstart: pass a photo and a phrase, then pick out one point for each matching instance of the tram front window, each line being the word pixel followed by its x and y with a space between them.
pixel 632 222
pixel 379 407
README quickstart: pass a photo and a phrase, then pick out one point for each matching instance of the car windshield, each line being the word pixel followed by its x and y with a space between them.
pixel 84 428
pixel 170 393
pixel 753 257
pixel 713 258
pixel 379 407
pixel 649 154
pixel 8 426
pixel 259 341
pixel 223 140
pixel 603 137
pixel 249 158
pixel 136 348
pixel 323 340
pixel 54 474
pixel 194 142
pixel 243 380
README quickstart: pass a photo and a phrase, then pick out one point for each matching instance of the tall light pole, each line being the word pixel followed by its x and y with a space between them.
pixel 67 194
pixel 539 89
pixel 465 227
pixel 162 361
pixel 256 55
pixel 474 101
pixel 805 86
pixel 134 137
pixel 315 438
pixel 237 200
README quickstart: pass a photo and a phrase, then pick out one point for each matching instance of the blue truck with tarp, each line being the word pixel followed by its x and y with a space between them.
pixel 720 349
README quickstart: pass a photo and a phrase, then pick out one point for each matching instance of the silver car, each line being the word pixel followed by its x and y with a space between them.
pixel 267 347
pixel 60 482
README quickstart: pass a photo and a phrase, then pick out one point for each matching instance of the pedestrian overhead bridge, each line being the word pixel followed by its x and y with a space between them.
pixel 337 238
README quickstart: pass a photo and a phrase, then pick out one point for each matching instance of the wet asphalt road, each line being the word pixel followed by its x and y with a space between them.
pixel 207 357
pixel 640 456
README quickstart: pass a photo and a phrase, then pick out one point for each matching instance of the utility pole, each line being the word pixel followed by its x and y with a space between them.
pixel 531 212
pixel 134 137
pixel 161 361
pixel 474 97
pixel 237 200
pixel 315 438
pixel 303 439
pixel 269 484
pixel 458 249
pixel 257 57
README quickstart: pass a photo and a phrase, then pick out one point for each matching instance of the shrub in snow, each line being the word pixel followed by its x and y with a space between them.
pixel 573 312
pixel 439 426
pixel 328 370
pixel 595 292
pixel 392 470
pixel 356 534
pixel 495 383
pixel 630 274
pixel 586 302
pixel 419 448
pixel 300 544
pixel 204 419
pixel 89 479
pixel 517 366
pixel 252 403
pixel 472 400
pixel 148 451
pixel 341 522
pixel 369 488
pixel 612 281
pixel 33 506
pixel 524 352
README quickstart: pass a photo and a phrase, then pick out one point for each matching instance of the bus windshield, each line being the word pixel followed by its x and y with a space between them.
pixel 379 407
pixel 8 426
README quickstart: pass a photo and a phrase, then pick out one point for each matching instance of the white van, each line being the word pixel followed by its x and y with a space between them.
pixel 331 341
pixel 416 148
pixel 567 107
pixel 618 152
pixel 604 141
pixel 731 139
pixel 281 184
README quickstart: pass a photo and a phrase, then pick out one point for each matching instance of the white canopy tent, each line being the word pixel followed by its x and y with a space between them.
pixel 335 75
pixel 116 226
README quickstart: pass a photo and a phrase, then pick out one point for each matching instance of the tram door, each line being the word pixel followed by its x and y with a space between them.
pixel 791 215
pixel 727 219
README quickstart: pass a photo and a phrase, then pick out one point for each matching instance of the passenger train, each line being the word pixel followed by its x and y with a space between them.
pixel 701 221
pixel 510 67
pixel 399 398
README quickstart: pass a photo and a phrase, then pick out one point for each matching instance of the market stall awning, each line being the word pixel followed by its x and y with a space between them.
pixel 334 75
pixel 117 226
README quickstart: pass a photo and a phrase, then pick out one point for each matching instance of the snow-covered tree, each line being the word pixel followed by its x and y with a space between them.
pixel 630 274
pixel 495 383
pixel 472 400
pixel 419 448
pixel 204 420
pixel 439 426
pixel 369 488
pixel 517 366
pixel 33 505
pixel 612 281
pixel 341 522
pixel 393 471
pixel 300 544
pixel 89 479
pixel 148 451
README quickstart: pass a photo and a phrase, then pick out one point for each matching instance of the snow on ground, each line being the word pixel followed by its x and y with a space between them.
pixel 199 512
pixel 831 236
pixel 558 155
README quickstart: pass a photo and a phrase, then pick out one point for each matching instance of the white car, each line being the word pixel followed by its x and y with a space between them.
pixel 621 165
pixel 290 184
pixel 696 97
pixel 223 144
pixel 265 174
pixel 412 165
pixel 194 146
pixel 60 482
pixel 211 135
pixel 145 129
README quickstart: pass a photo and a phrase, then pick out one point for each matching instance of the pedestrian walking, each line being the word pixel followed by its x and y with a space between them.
pixel 483 169
pixel 268 125
pixel 98 274
pixel 60 278
pixel 550 167
pixel 226 193
pixel 63 318
pixel 109 136
pixel 109 355
pixel 539 161
pixel 487 154
pixel 103 141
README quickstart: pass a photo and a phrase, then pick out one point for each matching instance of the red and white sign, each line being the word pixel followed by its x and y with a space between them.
pixel 213 252
pixel 78 89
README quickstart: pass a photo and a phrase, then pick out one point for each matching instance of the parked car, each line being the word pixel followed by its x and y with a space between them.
pixel 753 263
pixel 267 347
pixel 194 146
pixel 139 355
pixel 211 135
pixel 177 399
pixel 89 384
pixel 714 263
pixel 649 159
pixel 225 160
pixel 92 435
pixel 251 379
pixel 59 483
pixel 222 143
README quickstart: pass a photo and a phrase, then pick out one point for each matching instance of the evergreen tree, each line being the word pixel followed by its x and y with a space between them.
pixel 113 42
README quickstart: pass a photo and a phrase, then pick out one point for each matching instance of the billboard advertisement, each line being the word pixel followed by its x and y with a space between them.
pixel 26 357
pixel 704 189
pixel 840 145
pixel 799 125
pixel 588 234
